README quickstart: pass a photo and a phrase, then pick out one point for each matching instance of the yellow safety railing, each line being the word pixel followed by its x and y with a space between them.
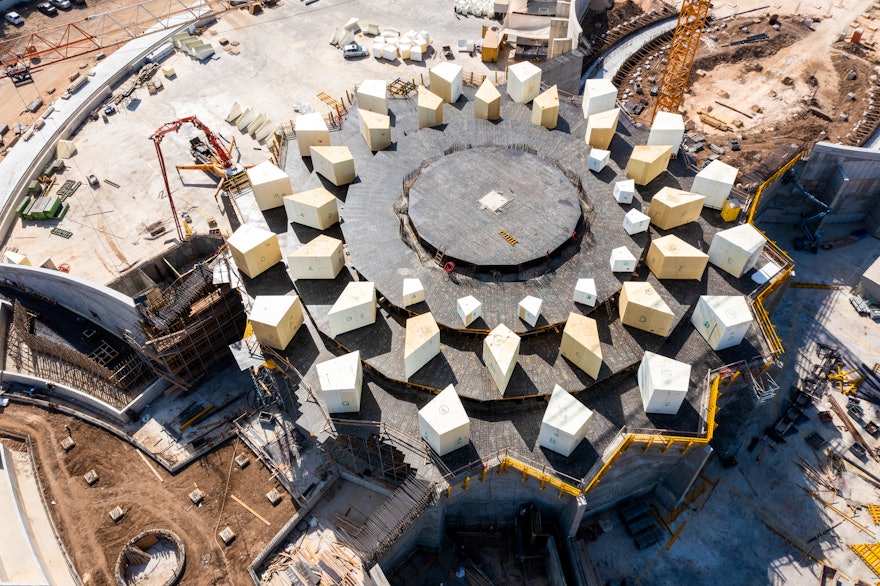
pixel 773 178
pixel 543 477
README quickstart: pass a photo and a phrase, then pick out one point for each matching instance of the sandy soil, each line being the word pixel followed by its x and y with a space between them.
pixel 94 541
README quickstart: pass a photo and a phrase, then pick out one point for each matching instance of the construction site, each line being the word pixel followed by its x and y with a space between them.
pixel 473 293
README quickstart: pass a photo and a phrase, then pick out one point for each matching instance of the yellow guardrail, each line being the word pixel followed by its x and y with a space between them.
pixel 773 178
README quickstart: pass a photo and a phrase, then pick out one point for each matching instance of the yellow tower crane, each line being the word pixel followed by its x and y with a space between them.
pixel 680 60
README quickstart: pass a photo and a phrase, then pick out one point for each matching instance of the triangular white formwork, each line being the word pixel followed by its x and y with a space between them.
pixel 500 355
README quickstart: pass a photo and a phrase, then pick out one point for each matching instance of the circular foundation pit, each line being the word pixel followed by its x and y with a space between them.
pixel 494 207
pixel 152 558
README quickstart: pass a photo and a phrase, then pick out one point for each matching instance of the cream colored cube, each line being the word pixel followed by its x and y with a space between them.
pixel 647 162
pixel 530 309
pixel 722 320
pixel 469 309
pixel 715 182
pixel 663 383
pixel 275 319
pixel 667 128
pixel 311 131
pixel 341 380
pixel 622 260
pixel 430 109
pixel 624 191
pixel 670 257
pixel 316 208
pixel 253 249
pixel 422 343
pixel 376 129
pixel 641 307
pixel 269 184
pixel 320 258
pixel 564 424
pixel 580 344
pixel 635 222
pixel 523 82
pixel 585 292
pixel 598 160
pixel 545 109
pixel 671 208
pixel 443 422
pixel 413 292
pixel 372 95
pixel 600 95
pixel 501 354
pixel 445 81
pixel 487 101
pixel 334 163
pixel 601 128
pixel 354 309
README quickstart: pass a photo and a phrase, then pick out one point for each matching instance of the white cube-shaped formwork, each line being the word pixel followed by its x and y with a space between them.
pixel 663 383
pixel 376 129
pixel 253 249
pixel 545 109
pixel 389 52
pixel 354 309
pixel 564 424
pixel 580 344
pixel 670 257
pixel 275 319
pixel 430 109
pixel 715 182
pixel 16 258
pixel 671 208
pixel 64 149
pixel 445 81
pixel 622 260
pixel 647 162
pixel 487 101
pixel 311 131
pixel 469 309
pixel 530 309
pixel 601 128
pixel 444 424
pixel 413 292
pixel 334 163
pixel 624 191
pixel 341 380
pixel 641 307
pixel 316 208
pixel 737 250
pixel 523 82
pixel 585 292
pixel 722 320
pixel 269 184
pixel 319 258
pixel 667 128
pixel 600 95
pixel 598 159
pixel 500 355
pixel 422 342
pixel 635 222
pixel 372 95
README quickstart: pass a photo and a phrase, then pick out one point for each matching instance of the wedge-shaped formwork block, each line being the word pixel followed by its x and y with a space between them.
pixel 598 159
pixel 667 128
pixel 376 129
pixel 635 222
pixel 341 380
pixel 444 424
pixel 564 424
pixel 715 182
pixel 523 82
pixel 316 208
pixel 545 109
pixel 16 258
pixel 334 163
pixel 234 112
pixel 430 109
pixel 311 131
pixel 270 184
pixel 600 95
pixel 622 260
pixel 670 257
pixel 722 320
pixel 737 250
pixel 320 258
pixel 445 80
pixel 642 307
pixel 663 383
pixel 624 191
pixel 580 343
pixel 372 95
pixel 530 309
pixel 671 208
pixel 469 309
pixel 647 162
pixel 64 149
pixel 354 309
pixel 487 101
pixel 585 292
pixel 422 342
pixel 253 249
pixel 413 292
pixel 275 319
pixel 500 355
pixel 601 128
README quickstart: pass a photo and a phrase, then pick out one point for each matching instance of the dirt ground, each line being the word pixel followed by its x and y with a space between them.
pixel 94 541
